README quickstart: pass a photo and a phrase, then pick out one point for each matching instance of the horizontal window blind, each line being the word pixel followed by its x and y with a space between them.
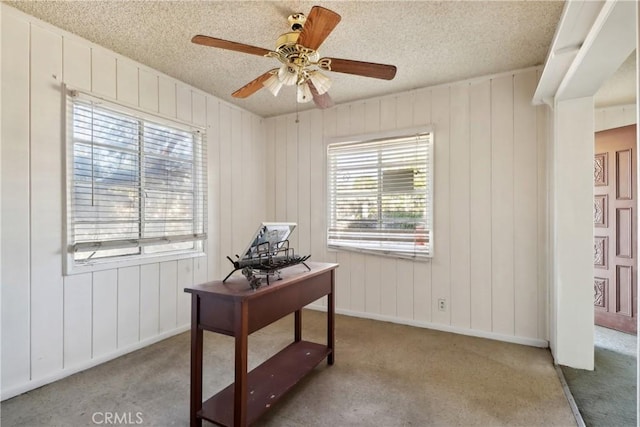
pixel 136 185
pixel 380 196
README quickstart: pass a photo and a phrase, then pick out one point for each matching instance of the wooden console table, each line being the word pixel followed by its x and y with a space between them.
pixel 233 309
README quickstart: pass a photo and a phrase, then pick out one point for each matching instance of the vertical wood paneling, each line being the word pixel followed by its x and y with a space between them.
pixel 387 113
pixel 244 216
pixel 46 222
pixel 404 302
pixel 421 115
pixel 128 306
pixel 185 279
pixel 127 81
pixel 304 185
pixel 365 117
pixel 388 289
pixel 76 61
pixel 168 292
pixel 422 107
pixel 103 72
pixel 317 185
pixel 77 319
pixel 167 96
pixel 460 212
pixel 356 282
pixel 404 108
pixel 291 173
pixel 259 150
pixel 502 190
pixel 422 291
pixel 480 204
pixel 53 322
pixel 379 115
pixel 199 271
pixel 148 90
pixel 440 284
pixel 213 179
pixel 235 161
pixel 105 312
pixel 525 168
pixel 198 109
pixel 343 120
pixel 183 103
pixel 475 158
pixel 343 294
pixel 280 152
pixel 372 269
pixel 149 300
pixel 270 181
pixel 225 187
pixel 15 237
pixel 329 129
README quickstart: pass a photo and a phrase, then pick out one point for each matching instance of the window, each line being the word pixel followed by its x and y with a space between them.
pixel 136 184
pixel 380 195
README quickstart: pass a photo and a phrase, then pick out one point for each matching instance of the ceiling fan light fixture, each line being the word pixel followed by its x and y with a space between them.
pixel 304 93
pixel 321 82
pixel 287 75
pixel 273 83
pixel 297 52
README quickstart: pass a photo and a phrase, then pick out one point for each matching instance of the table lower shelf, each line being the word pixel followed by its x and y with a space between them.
pixel 266 383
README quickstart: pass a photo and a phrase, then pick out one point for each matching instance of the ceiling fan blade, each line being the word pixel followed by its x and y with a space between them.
pixel 317 27
pixel 253 86
pixel 359 68
pixel 322 101
pixel 226 44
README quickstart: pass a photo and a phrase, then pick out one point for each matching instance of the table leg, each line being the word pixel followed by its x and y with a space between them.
pixel 297 325
pixel 330 321
pixel 196 363
pixel 240 383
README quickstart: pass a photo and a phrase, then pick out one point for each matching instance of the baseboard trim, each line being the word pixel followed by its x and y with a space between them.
pixel 532 342
pixel 569 396
pixel 33 384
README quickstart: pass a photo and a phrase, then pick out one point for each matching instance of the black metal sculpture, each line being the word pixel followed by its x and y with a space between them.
pixel 268 253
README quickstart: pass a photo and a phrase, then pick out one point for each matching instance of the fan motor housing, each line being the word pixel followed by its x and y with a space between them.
pixel 287 39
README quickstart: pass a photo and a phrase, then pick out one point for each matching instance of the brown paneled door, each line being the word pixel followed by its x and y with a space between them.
pixel 615 229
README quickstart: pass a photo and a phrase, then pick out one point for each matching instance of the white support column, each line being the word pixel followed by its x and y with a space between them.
pixel 638 154
pixel 572 234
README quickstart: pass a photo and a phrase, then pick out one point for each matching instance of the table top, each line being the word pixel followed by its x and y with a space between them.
pixel 237 287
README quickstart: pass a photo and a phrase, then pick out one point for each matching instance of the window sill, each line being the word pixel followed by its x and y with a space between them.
pixel 421 258
pixel 100 265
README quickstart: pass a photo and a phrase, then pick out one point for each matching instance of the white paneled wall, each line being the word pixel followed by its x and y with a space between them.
pixel 489 209
pixel 54 325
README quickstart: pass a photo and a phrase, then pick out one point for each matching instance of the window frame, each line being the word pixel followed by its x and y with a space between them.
pixel 371 137
pixel 70 265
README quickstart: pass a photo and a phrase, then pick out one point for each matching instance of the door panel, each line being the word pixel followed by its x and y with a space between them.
pixel 615 229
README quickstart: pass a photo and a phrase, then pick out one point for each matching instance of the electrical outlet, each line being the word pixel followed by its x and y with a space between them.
pixel 442 304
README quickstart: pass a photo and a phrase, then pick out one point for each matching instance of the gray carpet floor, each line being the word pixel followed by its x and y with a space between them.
pixel 606 396
pixel 385 375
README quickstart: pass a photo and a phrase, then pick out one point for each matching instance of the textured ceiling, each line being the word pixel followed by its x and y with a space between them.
pixel 430 42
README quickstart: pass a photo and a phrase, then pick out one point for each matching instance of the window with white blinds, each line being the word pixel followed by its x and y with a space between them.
pixel 380 196
pixel 136 183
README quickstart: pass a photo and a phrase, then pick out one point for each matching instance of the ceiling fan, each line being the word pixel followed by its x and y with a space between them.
pixel 301 62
